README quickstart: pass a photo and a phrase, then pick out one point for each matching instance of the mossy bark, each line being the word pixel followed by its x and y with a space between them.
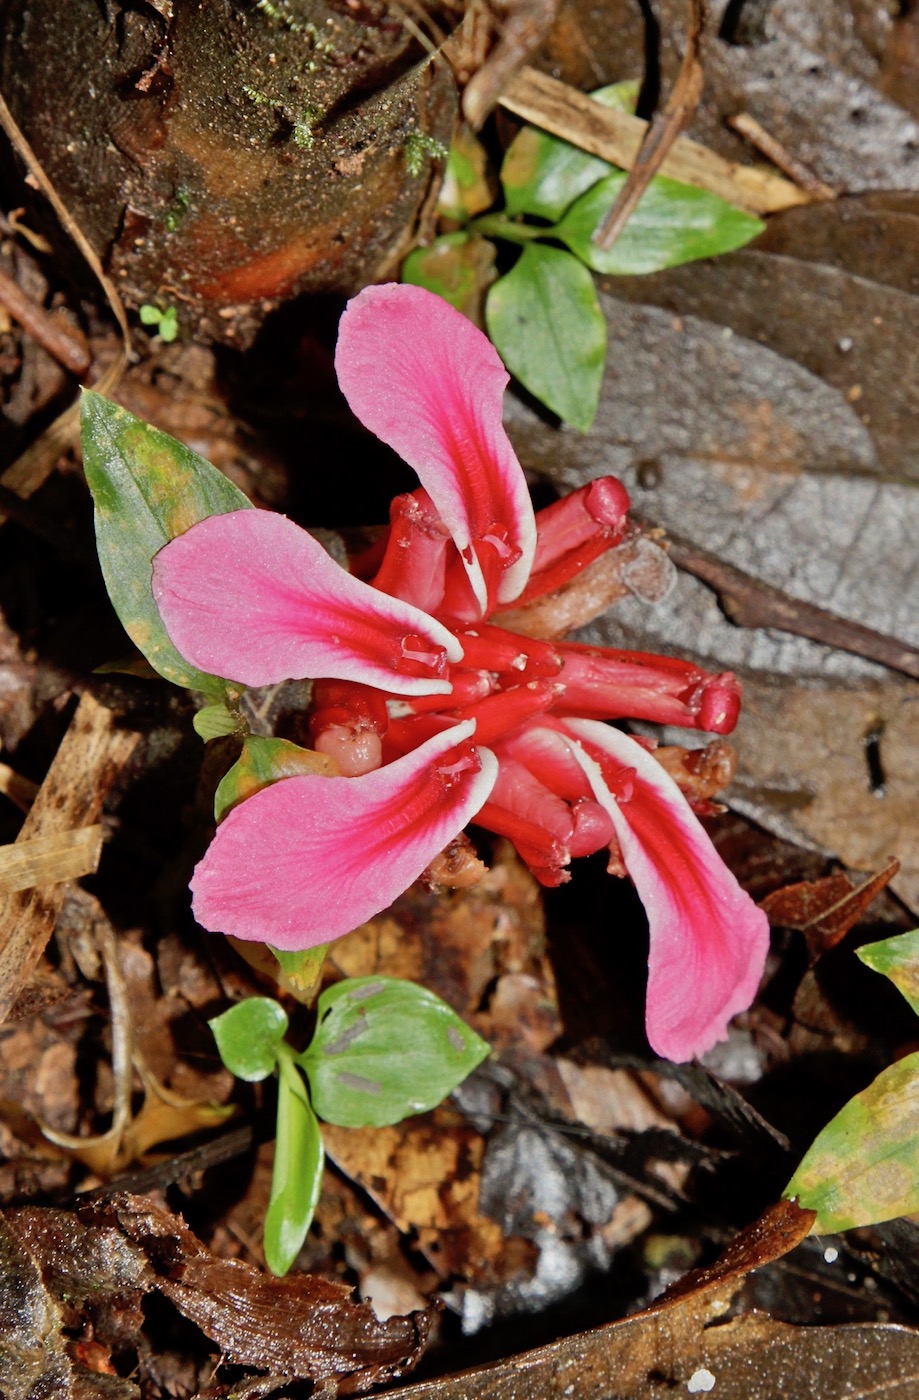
pixel 222 155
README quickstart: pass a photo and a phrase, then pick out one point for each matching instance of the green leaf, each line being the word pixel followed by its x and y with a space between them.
pixel 169 325
pixel 248 1037
pixel 898 959
pixel 466 188
pixel 546 323
pixel 147 488
pixel 216 722
pixel 150 315
pixel 384 1049
pixel 542 175
pixel 672 223
pixel 864 1166
pixel 296 1178
pixel 263 762
pixel 458 267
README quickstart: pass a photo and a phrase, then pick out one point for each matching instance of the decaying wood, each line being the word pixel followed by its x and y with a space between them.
pixel 617 137
pixel 91 755
pixel 46 860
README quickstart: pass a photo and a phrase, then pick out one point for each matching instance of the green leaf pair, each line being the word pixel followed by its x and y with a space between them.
pixel 864 1167
pixel 383 1050
pixel 544 316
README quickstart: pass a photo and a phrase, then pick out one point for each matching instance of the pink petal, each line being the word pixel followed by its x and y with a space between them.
pixel 708 939
pixel 427 382
pixel 308 859
pixel 253 597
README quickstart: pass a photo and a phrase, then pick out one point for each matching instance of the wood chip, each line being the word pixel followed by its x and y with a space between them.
pixel 45 860
pixel 618 137
pixel 70 799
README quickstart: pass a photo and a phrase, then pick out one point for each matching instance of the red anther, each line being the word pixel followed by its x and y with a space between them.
pixel 463 759
pixel 593 828
pixel 599 508
pixel 488 648
pixel 468 686
pixel 416 553
pixel 421 657
pixel 499 714
pixel 719 703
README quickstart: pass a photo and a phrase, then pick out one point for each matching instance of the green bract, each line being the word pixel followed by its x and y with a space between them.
pixel 671 224
pixel 296 1177
pixel 147 488
pixel 898 959
pixel 543 316
pixel 542 174
pixel 263 761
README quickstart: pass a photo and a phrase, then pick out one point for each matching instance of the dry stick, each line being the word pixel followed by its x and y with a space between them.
pixel 617 137
pixel 769 146
pixel 665 127
pixel 46 859
pixel 34 466
pixel 749 602
pixel 89 759
pixel 42 326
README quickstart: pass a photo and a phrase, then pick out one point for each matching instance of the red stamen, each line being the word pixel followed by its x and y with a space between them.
pixel 468 686
pixel 609 684
pixel 599 508
pixel 495 649
pixel 416 553
pixel 523 833
pixel 501 713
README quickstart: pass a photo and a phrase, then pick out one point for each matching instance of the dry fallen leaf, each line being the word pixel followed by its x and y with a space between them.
pixel 104 1260
pixel 825 910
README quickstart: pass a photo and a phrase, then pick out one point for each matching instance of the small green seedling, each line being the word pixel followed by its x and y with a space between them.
pixel 166 322
pixel 383 1049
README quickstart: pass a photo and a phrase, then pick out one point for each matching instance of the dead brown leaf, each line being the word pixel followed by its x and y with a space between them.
pixel 825 910
pixel 103 1261
pixel 657 1352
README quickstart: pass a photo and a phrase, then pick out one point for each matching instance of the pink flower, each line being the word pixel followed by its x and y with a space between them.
pixel 435 714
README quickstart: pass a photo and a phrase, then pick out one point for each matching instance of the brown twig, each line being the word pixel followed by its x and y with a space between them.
pixel 665 127
pixel 769 146
pixel 617 137
pixel 749 602
pixel 50 332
